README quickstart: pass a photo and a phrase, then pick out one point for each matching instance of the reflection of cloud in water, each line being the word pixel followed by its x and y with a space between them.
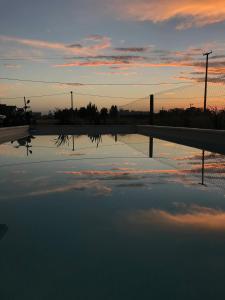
pixel 77 154
pixel 212 167
pixel 153 176
pixel 40 181
pixel 131 185
pixel 69 153
pixel 122 172
pixel 82 185
pixel 145 178
pixel 199 156
pixel 117 164
pixel 194 217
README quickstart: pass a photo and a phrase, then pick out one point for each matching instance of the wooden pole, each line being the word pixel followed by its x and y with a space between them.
pixel 25 104
pixel 151 115
pixel 206 79
pixel 71 100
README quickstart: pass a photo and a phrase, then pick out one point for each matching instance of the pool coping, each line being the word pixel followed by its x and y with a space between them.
pixel 15 132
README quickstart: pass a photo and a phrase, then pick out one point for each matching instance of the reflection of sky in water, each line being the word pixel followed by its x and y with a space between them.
pixel 109 222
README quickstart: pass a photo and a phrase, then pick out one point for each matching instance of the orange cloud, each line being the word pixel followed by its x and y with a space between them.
pixel 127 63
pixel 117 73
pixel 192 13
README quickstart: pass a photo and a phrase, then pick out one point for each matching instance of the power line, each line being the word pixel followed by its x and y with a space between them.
pixel 178 88
pixel 113 97
pixel 40 81
pixel 35 96
pixel 93 84
pixel 79 94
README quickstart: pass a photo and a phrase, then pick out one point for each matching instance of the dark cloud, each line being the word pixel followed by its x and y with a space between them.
pixel 131 49
pixel 78 46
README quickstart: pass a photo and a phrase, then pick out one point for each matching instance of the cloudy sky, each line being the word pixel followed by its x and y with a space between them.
pixel 102 41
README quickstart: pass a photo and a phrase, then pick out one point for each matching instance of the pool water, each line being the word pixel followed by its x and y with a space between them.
pixel 110 217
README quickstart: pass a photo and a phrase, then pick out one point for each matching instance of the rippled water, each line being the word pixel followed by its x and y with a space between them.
pixel 110 217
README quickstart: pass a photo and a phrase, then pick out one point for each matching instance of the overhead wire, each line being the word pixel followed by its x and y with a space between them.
pixel 92 84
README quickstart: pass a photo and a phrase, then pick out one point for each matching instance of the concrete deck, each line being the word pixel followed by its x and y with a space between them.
pixel 13 133
pixel 207 139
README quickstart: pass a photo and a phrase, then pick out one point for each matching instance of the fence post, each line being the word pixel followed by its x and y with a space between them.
pixel 151 114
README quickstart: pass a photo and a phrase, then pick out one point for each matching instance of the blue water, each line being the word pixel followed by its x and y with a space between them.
pixel 97 218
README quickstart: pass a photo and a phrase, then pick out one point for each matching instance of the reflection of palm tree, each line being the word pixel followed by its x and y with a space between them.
pixel 3 230
pixel 25 142
pixel 63 140
pixel 96 138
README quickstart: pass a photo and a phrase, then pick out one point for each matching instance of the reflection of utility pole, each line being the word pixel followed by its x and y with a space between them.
pixel 73 143
pixel 28 147
pixel 206 78
pixel 203 167
pixel 151 142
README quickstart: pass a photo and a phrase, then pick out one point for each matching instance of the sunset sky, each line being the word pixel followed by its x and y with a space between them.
pixel 102 41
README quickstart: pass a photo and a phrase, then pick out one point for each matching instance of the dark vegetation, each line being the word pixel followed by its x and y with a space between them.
pixel 89 114
pixel 190 117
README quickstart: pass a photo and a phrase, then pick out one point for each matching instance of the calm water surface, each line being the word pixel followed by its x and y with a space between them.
pixel 110 217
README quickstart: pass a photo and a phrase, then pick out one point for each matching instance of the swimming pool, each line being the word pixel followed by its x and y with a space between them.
pixel 110 217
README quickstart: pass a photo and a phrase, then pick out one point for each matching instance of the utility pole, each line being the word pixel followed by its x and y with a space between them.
pixel 206 78
pixel 71 100
pixel 151 113
pixel 25 104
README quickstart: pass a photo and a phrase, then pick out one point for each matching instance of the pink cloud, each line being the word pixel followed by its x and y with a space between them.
pixel 191 13
pixel 84 48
